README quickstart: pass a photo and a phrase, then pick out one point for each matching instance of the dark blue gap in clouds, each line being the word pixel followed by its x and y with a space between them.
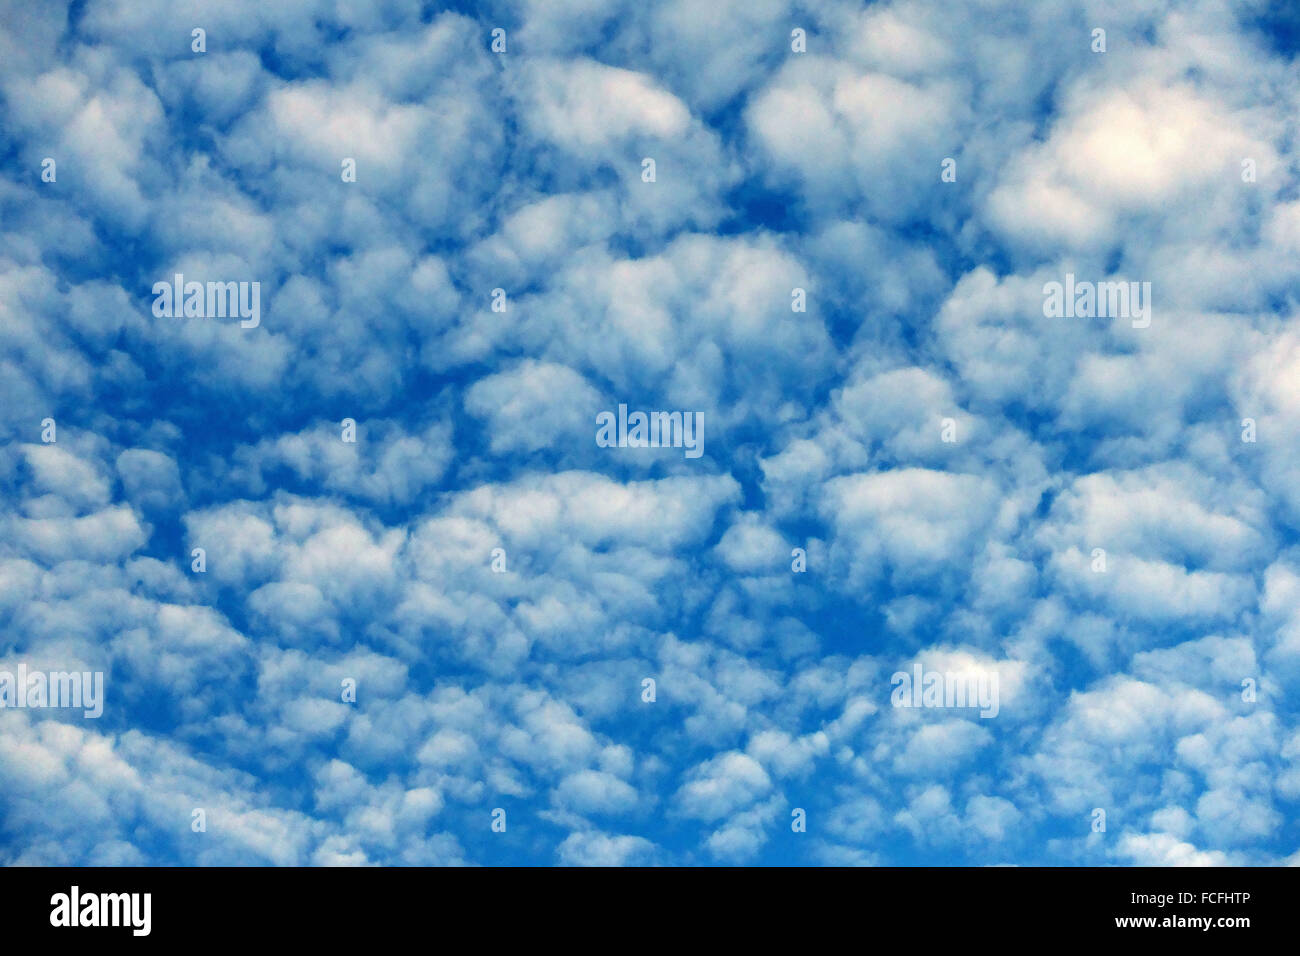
pixel 489 13
pixel 756 207
pixel 1279 22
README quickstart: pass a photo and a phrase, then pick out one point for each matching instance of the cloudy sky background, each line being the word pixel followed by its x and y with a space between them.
pixel 775 170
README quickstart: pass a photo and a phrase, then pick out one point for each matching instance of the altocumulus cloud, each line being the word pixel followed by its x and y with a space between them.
pixel 361 575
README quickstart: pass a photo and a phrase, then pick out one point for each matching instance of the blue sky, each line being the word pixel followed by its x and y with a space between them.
pixel 947 458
